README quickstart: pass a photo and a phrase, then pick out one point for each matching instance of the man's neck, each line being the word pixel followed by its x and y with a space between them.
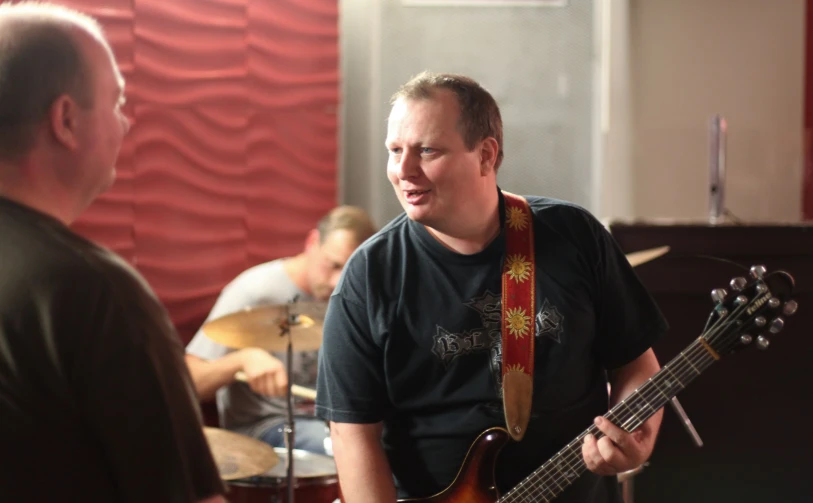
pixel 474 238
pixel 296 268
pixel 20 184
pixel 37 197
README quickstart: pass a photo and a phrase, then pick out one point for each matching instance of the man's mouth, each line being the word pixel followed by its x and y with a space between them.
pixel 413 193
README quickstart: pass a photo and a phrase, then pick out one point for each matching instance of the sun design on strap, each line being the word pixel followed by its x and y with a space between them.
pixel 518 322
pixel 515 367
pixel 518 268
pixel 517 219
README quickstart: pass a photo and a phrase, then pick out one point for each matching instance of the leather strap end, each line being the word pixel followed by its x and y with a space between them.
pixel 517 393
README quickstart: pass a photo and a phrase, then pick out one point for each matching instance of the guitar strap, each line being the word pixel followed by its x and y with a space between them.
pixel 518 308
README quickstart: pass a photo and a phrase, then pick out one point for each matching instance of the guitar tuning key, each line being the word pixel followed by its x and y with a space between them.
pixel 738 283
pixel 761 288
pixel 790 308
pixel 746 339
pixel 762 342
pixel 757 271
pixel 776 325
pixel 760 321
pixel 718 295
pixel 774 302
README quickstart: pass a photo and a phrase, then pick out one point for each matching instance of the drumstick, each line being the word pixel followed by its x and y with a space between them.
pixel 641 257
pixel 296 390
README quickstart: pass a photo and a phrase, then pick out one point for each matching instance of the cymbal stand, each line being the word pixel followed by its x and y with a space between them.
pixel 290 433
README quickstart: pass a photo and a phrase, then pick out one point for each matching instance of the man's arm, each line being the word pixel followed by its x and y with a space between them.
pixel 620 451
pixel 265 374
pixel 364 472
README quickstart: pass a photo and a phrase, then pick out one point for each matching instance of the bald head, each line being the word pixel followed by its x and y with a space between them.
pixel 42 57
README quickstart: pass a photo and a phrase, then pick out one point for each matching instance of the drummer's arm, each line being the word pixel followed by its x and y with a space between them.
pixel 364 473
pixel 214 499
pixel 264 373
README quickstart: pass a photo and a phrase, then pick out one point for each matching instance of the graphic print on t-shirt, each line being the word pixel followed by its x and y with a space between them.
pixel 447 345
pixel 549 321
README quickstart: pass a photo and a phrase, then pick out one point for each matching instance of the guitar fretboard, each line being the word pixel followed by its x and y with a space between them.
pixel 562 470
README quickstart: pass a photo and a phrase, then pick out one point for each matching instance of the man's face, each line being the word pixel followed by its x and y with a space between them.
pixel 103 126
pixel 326 260
pixel 435 176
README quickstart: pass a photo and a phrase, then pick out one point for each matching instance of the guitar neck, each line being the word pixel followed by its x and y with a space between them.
pixel 558 473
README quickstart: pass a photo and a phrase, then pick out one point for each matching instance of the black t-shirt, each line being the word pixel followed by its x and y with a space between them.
pixel 412 338
pixel 96 403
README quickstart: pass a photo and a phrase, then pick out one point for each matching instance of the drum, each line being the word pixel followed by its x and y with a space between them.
pixel 315 481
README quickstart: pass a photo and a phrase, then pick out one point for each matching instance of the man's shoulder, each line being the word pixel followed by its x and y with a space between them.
pixel 549 207
pixel 392 236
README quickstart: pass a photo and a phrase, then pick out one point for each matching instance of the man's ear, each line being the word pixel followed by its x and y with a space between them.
pixel 63 121
pixel 312 239
pixel 488 155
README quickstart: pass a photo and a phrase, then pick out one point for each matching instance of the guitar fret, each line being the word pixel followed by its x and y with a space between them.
pixel 689 362
pixel 564 468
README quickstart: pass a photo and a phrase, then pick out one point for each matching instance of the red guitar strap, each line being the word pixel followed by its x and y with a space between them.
pixel 518 311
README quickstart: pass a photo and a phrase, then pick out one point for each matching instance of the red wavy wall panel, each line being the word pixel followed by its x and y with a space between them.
pixel 232 155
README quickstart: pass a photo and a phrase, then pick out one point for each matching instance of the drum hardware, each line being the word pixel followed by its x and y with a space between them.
pixel 257 327
pixel 626 479
pixel 238 456
pixel 298 323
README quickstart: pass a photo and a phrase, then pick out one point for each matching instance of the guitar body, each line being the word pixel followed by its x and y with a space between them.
pixel 475 480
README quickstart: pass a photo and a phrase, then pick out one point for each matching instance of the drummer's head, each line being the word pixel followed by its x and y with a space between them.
pixel 329 246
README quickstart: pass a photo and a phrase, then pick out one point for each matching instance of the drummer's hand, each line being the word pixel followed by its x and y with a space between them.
pixel 265 374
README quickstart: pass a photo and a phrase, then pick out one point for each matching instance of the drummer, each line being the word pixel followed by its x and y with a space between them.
pixel 257 406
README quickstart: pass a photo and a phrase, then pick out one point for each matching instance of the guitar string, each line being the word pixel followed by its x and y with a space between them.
pixel 568 453
pixel 536 484
pixel 571 453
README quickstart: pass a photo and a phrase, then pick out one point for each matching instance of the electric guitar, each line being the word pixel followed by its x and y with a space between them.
pixel 748 315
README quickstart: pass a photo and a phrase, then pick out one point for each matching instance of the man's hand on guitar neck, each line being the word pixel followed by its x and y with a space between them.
pixel 619 451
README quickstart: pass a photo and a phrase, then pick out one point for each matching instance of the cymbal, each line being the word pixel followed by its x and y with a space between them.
pixel 238 456
pixel 641 257
pixel 262 327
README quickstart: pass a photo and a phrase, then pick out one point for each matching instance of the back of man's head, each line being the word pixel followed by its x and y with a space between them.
pixel 41 58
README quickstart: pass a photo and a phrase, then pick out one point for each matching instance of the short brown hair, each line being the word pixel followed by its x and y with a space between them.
pixel 479 113
pixel 40 60
pixel 351 218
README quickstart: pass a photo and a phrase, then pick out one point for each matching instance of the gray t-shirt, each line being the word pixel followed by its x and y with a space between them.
pixel 241 409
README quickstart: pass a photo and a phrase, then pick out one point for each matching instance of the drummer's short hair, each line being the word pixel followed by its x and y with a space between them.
pixel 350 218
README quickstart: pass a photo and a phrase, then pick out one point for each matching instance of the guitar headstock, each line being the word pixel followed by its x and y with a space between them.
pixel 752 311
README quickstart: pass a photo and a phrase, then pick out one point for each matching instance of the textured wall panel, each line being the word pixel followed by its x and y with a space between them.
pixel 190 51
pixel 291 178
pixel 232 155
pixel 293 58
pixel 190 230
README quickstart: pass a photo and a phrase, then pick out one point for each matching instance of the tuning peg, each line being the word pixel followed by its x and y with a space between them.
pixel 738 283
pixel 760 321
pixel 774 302
pixel 790 308
pixel 757 271
pixel 776 325
pixel 718 295
pixel 740 300
pixel 761 288
pixel 762 342
pixel 746 339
